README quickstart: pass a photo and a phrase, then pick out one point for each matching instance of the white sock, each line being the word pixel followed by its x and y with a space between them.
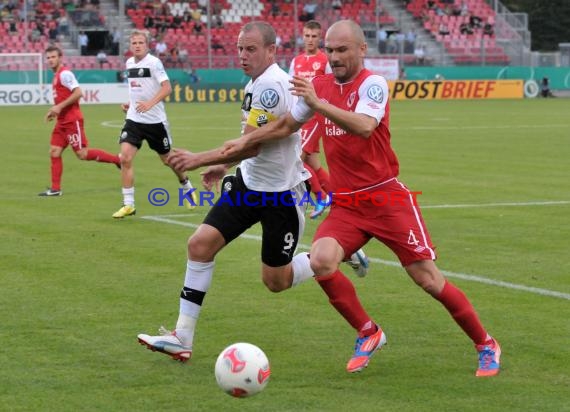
pixel 129 196
pixel 198 278
pixel 301 268
pixel 187 185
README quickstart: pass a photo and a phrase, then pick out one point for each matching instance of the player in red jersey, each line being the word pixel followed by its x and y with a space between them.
pixel 362 164
pixel 312 62
pixel 68 129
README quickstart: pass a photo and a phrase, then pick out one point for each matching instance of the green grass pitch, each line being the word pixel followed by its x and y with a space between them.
pixel 78 286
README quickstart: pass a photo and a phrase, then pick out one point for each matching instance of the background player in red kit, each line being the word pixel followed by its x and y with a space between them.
pixel 357 147
pixel 312 62
pixel 68 129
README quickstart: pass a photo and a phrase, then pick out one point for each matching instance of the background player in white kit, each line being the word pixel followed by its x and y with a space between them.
pixel 146 118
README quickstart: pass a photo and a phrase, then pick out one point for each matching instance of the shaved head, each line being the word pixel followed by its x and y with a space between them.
pixel 349 28
pixel 345 46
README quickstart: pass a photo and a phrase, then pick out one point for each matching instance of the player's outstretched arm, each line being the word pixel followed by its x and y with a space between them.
pixel 278 129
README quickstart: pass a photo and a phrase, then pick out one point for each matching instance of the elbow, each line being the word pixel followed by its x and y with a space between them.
pixel 366 128
pixel 365 132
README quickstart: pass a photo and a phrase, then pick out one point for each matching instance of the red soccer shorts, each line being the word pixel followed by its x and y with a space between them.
pixel 311 136
pixel 389 215
pixel 69 134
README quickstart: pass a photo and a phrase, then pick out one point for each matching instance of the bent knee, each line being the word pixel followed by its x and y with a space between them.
pixel 276 285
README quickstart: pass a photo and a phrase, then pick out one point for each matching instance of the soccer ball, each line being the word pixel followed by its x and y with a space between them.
pixel 242 370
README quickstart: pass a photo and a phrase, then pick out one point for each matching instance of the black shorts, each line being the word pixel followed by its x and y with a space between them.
pixel 282 219
pixel 156 134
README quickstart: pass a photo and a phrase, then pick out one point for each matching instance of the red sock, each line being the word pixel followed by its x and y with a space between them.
pixel 56 172
pixel 342 296
pixel 324 179
pixel 102 156
pixel 314 180
pixel 462 311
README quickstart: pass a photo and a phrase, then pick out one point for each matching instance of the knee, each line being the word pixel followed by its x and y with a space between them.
pixel 54 152
pixel 429 279
pixel 322 264
pixel 126 161
pixel 81 154
pixel 196 248
pixel 276 285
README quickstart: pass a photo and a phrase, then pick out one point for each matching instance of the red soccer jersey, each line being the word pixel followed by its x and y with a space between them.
pixel 64 82
pixel 309 66
pixel 356 163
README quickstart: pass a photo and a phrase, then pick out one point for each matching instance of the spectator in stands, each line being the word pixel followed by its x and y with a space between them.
pixel 218 22
pixel 465 28
pixel 174 56
pixel 392 44
pixel 381 39
pixel 336 4
pixel 83 42
pixel 102 58
pixel 12 26
pixel 53 33
pixel 160 49
pixel 148 22
pixel 488 29
pixel 464 9
pixel 183 56
pixel 310 8
pixel 475 21
pixel 443 29
pixel 216 43
pixel 420 54
pixel 410 41
pixel 275 10
pixel 115 41
pixel 36 35
pixel 198 27
pixel 63 25
pixel 69 122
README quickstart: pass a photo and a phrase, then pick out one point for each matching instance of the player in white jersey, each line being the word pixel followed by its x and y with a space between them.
pixel 146 118
pixel 264 190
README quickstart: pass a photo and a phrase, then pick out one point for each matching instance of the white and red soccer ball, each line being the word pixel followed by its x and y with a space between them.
pixel 242 370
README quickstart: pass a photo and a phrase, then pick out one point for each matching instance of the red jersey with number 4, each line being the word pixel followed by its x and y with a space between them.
pixel 63 84
pixel 355 162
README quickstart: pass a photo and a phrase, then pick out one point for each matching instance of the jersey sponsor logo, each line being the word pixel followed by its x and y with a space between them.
pixel 351 99
pixel 138 72
pixel 246 104
pixel 375 93
pixel 269 98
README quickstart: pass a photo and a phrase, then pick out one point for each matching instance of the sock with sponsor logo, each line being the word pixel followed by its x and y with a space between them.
pixel 196 283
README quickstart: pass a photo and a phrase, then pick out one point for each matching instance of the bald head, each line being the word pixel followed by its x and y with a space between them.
pixel 347 28
pixel 346 48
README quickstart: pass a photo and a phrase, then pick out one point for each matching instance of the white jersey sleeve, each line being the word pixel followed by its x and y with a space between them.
pixel 373 96
pixel 68 79
pixel 301 111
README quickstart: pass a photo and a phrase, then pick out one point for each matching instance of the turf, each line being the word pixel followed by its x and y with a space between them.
pixel 78 286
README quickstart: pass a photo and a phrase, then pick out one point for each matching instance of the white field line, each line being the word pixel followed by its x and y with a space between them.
pixel 463 276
